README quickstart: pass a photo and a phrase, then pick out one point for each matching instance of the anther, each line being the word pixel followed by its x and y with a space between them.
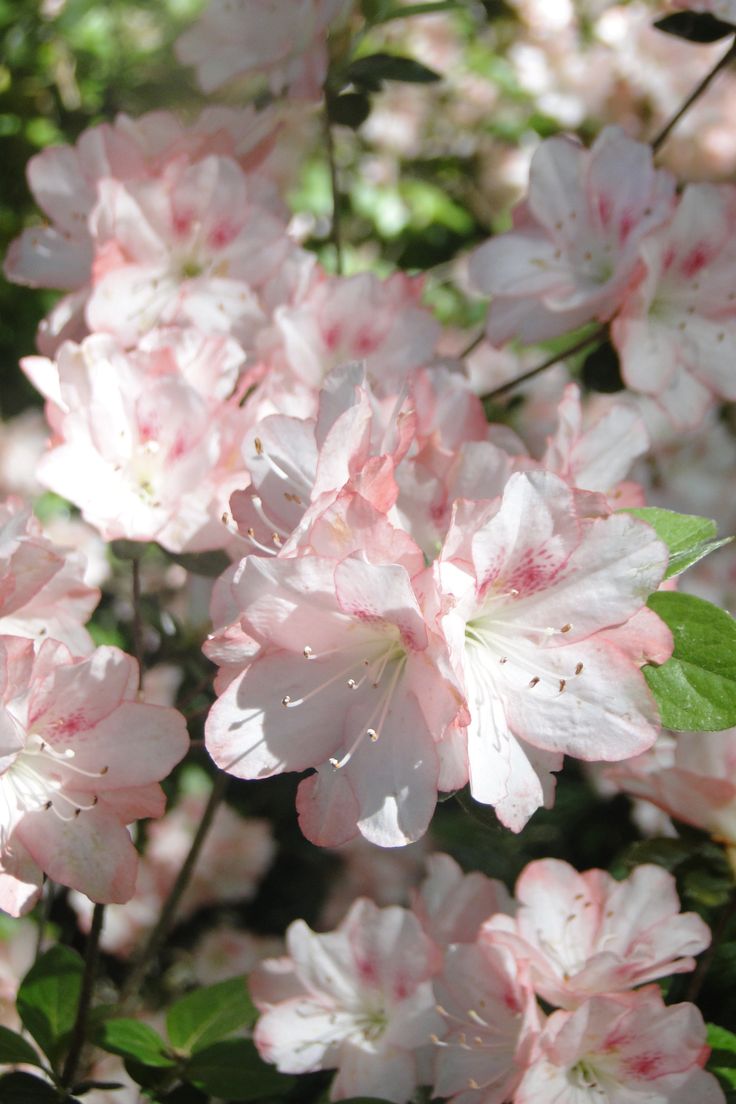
pixel 259 446
pixel 352 684
pixel 276 539
pixel 579 669
pixel 566 628
pixel 504 659
pixel 372 735
pixel 286 700
pixel 307 652
pixel 534 682
pixel 563 684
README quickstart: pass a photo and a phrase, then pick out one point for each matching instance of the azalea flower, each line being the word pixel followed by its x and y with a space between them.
pixel 538 602
pixel 573 252
pixel 358 1000
pixel 81 759
pixel 585 934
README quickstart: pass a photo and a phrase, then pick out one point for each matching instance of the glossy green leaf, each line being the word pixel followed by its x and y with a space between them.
pixel 233 1070
pixel 209 1015
pixel 720 1038
pixel 48 997
pixel 133 1039
pixel 14 1049
pixel 371 71
pixel 688 538
pixel 696 688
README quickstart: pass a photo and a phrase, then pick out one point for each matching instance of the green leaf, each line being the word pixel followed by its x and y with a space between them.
pixel 134 1039
pixel 48 998
pixel 14 1049
pixel 24 1088
pixel 209 564
pixel 233 1070
pixel 720 1038
pixel 370 71
pixel 209 1015
pixel 696 688
pixel 694 26
pixel 688 538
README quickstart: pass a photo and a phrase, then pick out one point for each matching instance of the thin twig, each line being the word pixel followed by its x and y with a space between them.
pixel 79 1031
pixel 168 912
pixel 478 340
pixel 137 620
pixel 336 229
pixel 583 343
pixel 666 130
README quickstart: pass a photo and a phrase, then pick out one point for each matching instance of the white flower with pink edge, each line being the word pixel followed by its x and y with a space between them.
pixel 358 1000
pixel 573 252
pixel 80 759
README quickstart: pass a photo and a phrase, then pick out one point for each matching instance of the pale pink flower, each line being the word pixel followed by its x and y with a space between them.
pixel 452 905
pixel 677 329
pixel 235 856
pixel 191 247
pixel 224 952
pixel 64 181
pixel 624 1047
pixel 597 456
pixel 491 1025
pixel 22 442
pixel 691 776
pixel 587 934
pixel 531 593
pixel 285 41
pixel 43 592
pixel 573 251
pixel 358 318
pixel 347 677
pixel 385 875
pixel 81 759
pixel 358 1000
pixel 143 444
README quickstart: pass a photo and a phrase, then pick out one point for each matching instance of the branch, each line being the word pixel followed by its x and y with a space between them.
pixel 667 129
pixel 79 1031
pixel 583 343
pixel 168 912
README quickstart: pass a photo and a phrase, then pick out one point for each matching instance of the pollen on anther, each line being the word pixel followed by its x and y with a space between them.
pixel 579 669
pixel 566 628
pixel 307 652
pixel 286 700
pixel 534 682
pixel 372 735
pixel 276 539
pixel 352 684
pixel 259 446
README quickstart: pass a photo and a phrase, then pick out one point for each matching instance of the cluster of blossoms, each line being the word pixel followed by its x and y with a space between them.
pixel 445 993
pixel 416 600
pixel 603 237
pixel 82 755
